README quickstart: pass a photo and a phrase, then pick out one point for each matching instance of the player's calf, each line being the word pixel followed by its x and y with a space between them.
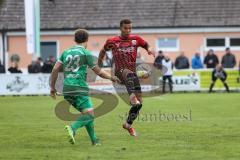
pixel 133 113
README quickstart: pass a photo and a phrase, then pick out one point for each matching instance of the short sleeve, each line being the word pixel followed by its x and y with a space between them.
pixel 91 61
pixel 141 42
pixel 61 58
pixel 109 44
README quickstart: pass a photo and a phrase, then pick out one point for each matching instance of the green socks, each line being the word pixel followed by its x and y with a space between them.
pixel 86 120
pixel 90 130
pixel 83 120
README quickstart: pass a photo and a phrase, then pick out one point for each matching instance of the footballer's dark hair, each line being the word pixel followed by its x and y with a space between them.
pixel 125 21
pixel 81 36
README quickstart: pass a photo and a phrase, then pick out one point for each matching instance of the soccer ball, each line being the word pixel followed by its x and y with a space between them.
pixel 143 71
pixel 143 74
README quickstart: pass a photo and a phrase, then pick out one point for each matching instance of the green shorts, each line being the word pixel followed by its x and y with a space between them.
pixel 81 103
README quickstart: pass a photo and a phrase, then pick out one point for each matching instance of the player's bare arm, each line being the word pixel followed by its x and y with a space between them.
pixel 101 57
pixel 54 76
pixel 149 49
pixel 103 74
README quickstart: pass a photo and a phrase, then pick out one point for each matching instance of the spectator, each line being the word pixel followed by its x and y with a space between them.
pixel 197 61
pixel 167 74
pixel 14 66
pixel 35 67
pixel 158 60
pixel 2 68
pixel 239 73
pixel 211 60
pixel 182 62
pixel 239 68
pixel 228 60
pixel 48 65
pixel 219 73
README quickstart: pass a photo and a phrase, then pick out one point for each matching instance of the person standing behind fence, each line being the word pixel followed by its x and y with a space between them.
pixel 228 60
pixel 239 68
pixel 219 73
pixel 181 62
pixel 197 61
pixel 15 59
pixel 2 68
pixel 158 60
pixel 48 65
pixel 167 67
pixel 211 60
pixel 35 67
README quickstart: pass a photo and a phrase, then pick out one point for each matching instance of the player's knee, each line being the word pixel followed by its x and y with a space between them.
pixel 130 78
pixel 134 100
pixel 89 112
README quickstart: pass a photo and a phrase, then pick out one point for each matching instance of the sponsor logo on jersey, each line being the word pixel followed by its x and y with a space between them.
pixel 126 49
pixel 134 42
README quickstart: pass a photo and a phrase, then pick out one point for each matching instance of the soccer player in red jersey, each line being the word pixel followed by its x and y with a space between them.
pixel 124 51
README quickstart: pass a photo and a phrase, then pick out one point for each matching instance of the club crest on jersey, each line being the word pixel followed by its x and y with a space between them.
pixel 117 45
pixel 134 42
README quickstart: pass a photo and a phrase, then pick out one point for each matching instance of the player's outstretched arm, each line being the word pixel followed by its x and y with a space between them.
pixel 103 74
pixel 149 49
pixel 101 56
pixel 54 76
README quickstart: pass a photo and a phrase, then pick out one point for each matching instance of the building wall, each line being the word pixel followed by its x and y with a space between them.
pixel 189 43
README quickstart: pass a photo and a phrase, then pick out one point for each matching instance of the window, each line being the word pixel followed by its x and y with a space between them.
pixel 220 44
pixel 234 42
pixel 48 49
pixel 216 42
pixel 168 44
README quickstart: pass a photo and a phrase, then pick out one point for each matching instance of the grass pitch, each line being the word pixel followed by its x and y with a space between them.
pixel 172 126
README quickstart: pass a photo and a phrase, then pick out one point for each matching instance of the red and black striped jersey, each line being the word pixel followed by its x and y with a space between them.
pixel 124 51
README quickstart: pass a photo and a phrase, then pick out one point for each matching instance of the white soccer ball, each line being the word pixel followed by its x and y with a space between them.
pixel 143 71
pixel 143 74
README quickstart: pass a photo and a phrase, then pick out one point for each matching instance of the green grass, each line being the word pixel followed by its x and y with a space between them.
pixel 29 129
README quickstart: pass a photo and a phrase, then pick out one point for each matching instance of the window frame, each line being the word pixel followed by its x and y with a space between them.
pixel 216 48
pixel 233 47
pixel 227 44
pixel 58 54
pixel 173 49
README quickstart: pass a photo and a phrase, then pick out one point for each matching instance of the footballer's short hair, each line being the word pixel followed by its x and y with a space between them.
pixel 81 36
pixel 125 21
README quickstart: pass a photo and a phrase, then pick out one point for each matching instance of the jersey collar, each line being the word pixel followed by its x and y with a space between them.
pixel 79 46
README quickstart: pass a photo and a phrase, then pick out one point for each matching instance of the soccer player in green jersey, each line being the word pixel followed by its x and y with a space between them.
pixel 74 62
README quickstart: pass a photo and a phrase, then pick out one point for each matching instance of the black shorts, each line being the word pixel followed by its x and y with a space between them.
pixel 131 82
pixel 215 78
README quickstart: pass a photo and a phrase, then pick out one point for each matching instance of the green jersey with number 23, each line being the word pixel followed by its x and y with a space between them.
pixel 75 62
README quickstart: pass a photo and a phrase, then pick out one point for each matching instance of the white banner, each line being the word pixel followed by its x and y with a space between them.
pixel 38 84
pixel 185 82
pixel 21 84
pixel 30 25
